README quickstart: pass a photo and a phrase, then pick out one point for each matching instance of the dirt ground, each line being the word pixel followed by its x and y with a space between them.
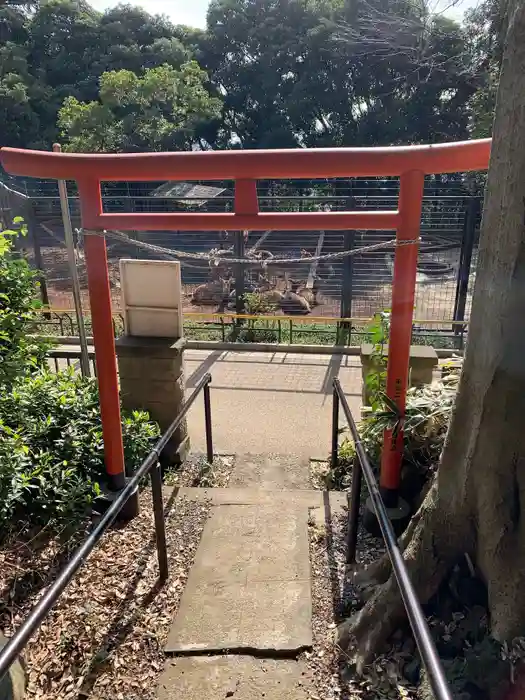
pixel 105 637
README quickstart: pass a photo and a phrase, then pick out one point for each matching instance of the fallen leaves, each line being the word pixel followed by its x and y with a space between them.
pixel 196 471
pixel 105 637
pixel 331 601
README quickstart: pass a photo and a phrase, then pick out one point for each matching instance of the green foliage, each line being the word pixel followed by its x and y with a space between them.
pixel 254 335
pixel 335 72
pixel 19 353
pixel 161 110
pixel 251 331
pixel 256 303
pixel 290 73
pixel 61 50
pixel 428 412
pixel 51 448
pixel 483 103
pixel 379 330
pixel 484 30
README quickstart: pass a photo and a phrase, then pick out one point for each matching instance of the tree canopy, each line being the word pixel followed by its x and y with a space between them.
pixel 265 73
pixel 160 111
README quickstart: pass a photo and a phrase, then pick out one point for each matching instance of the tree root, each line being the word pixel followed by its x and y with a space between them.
pixel 379 571
pixel 363 634
pixel 428 559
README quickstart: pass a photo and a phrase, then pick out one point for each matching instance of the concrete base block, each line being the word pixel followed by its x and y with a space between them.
pixel 152 379
pixel 423 361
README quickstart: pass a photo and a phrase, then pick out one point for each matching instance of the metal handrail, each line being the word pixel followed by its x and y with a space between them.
pixel 420 629
pixel 151 464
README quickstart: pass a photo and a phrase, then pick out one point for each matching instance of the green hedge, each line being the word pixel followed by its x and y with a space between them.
pixel 51 446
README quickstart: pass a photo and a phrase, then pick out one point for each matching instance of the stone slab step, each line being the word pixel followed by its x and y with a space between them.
pixel 254 496
pixel 237 677
pixel 249 587
pixel 271 471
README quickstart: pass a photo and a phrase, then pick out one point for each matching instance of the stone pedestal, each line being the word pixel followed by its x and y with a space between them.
pixel 423 361
pixel 152 379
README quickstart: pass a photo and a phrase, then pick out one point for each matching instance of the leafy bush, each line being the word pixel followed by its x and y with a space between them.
pixel 379 330
pixel 256 303
pixel 256 335
pixel 427 416
pixel 19 352
pixel 51 447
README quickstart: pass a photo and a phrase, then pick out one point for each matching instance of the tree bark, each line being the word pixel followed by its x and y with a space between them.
pixel 12 685
pixel 477 503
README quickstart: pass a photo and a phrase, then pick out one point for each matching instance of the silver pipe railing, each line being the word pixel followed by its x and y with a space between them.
pixel 362 467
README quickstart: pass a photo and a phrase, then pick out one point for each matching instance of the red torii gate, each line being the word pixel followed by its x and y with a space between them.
pixel 409 163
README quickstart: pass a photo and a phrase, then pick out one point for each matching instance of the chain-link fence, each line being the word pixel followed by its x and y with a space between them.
pixel 355 286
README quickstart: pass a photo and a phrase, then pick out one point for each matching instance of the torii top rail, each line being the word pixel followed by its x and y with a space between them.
pixel 410 163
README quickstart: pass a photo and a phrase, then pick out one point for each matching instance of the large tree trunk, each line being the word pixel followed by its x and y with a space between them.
pixel 477 503
pixel 12 685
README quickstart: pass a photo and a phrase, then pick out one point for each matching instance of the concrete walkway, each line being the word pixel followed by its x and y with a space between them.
pixel 236 677
pixel 270 402
pixel 267 402
pixel 249 587
pixel 246 612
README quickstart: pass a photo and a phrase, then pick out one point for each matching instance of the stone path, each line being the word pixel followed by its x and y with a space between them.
pixel 246 612
pixel 271 472
pixel 270 402
pixel 237 677
pixel 249 587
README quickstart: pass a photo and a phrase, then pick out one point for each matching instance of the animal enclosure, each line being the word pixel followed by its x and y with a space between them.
pixel 355 286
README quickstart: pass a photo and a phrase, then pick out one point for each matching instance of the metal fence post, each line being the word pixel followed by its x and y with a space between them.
pixel 77 297
pixel 353 511
pixel 245 203
pixel 207 420
pixel 347 284
pixel 32 226
pixel 335 430
pixel 239 272
pixel 465 260
pixel 160 524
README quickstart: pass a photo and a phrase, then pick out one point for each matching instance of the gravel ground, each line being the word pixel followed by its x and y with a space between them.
pixel 195 471
pixel 319 469
pixel 333 675
pixel 104 639
pixel 475 665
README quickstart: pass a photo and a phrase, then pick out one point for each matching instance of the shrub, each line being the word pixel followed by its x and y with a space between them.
pixel 379 330
pixel 427 416
pixel 51 447
pixel 256 335
pixel 19 352
pixel 256 303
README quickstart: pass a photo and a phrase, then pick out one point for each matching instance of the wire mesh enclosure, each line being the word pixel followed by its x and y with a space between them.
pixel 355 286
